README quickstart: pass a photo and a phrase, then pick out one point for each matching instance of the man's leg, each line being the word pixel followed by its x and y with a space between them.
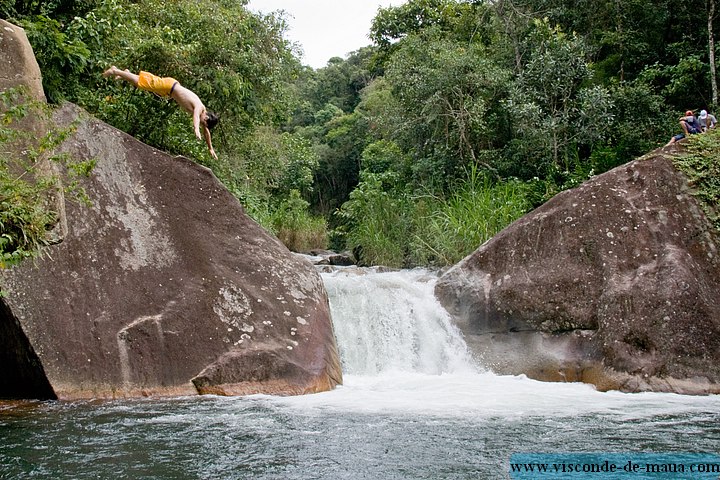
pixel 674 139
pixel 684 126
pixel 126 75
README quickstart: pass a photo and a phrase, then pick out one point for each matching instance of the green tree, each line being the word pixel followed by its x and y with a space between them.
pixel 395 23
pixel 450 95
pixel 339 155
pixel 623 37
pixel 58 9
pixel 238 62
pixel 554 107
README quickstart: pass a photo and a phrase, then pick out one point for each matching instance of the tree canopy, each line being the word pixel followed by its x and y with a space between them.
pixel 521 98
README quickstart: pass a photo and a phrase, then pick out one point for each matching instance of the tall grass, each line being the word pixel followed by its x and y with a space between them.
pixel 24 216
pixel 399 229
pixel 474 212
pixel 296 227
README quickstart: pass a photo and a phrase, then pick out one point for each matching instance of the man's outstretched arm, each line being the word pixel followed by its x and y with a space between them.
pixel 208 140
pixel 196 120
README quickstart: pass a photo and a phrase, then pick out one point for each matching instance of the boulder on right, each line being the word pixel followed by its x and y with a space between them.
pixel 614 283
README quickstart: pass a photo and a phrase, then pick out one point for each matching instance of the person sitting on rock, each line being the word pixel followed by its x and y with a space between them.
pixel 169 87
pixel 706 120
pixel 690 126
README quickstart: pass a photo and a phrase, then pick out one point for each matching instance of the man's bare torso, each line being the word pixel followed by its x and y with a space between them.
pixel 187 99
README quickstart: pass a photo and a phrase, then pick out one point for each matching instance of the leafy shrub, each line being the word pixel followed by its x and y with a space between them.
pixel 701 163
pixel 376 223
pixel 26 189
pixel 296 228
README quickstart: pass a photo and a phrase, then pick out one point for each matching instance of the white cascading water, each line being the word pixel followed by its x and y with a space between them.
pixel 401 353
pixel 391 322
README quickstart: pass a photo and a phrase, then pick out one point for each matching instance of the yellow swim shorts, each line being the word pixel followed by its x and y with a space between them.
pixel 160 86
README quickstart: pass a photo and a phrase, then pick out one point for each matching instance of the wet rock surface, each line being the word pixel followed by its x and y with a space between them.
pixel 614 283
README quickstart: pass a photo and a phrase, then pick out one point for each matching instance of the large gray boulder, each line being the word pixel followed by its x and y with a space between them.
pixel 614 283
pixel 161 286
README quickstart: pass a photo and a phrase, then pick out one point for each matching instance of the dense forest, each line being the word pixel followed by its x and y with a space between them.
pixel 457 119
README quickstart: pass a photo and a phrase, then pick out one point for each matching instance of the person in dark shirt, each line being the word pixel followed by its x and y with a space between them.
pixel 690 126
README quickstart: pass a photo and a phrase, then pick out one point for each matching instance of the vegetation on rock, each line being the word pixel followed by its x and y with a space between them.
pixel 27 186
pixel 700 161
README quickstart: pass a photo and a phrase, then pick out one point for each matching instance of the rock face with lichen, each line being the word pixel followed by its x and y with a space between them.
pixel 161 286
pixel 614 283
pixel 18 66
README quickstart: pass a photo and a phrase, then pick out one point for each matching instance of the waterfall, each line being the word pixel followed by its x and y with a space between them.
pixel 401 353
pixel 391 322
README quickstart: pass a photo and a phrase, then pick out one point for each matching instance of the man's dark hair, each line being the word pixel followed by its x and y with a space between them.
pixel 212 119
